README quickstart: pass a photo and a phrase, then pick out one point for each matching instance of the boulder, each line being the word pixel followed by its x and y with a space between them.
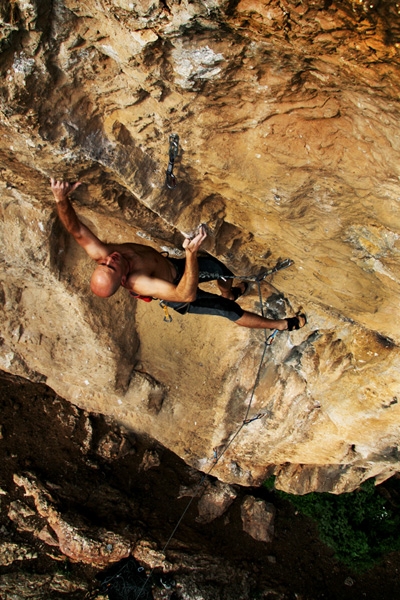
pixel 258 518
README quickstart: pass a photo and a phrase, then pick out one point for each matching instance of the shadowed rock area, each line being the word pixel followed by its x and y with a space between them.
pixel 287 114
pixel 78 492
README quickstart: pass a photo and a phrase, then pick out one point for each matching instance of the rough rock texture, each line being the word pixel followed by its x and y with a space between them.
pixel 37 587
pixel 287 113
pixel 258 518
pixel 216 561
pixel 105 549
pixel 215 499
pixel 10 552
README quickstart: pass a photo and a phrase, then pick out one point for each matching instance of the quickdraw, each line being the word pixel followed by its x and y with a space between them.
pixel 170 178
pixel 167 316
pixel 255 418
pixel 271 337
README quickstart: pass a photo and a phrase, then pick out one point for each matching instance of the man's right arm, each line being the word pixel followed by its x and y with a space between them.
pixel 82 234
pixel 186 289
pixel 190 278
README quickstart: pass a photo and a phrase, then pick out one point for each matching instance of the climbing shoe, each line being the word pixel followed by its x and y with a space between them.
pixel 296 322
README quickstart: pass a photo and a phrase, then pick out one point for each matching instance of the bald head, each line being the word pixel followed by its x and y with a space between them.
pixel 104 282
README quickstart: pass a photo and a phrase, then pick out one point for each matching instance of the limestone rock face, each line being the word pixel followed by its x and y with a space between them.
pixel 287 115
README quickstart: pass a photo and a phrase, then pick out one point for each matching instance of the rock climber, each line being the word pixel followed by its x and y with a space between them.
pixel 147 274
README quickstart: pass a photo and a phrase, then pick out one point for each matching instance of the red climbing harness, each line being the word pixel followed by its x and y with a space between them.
pixel 139 297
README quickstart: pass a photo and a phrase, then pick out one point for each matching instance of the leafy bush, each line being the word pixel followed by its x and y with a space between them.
pixel 360 526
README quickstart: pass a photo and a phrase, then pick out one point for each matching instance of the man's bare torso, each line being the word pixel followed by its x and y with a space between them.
pixel 144 260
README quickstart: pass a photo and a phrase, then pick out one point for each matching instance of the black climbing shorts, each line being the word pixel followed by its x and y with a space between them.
pixel 210 269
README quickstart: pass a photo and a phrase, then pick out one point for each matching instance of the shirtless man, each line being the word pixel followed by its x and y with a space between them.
pixel 144 272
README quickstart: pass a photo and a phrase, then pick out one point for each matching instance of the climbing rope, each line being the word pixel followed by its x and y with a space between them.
pixel 217 456
pixel 281 264
pixel 267 342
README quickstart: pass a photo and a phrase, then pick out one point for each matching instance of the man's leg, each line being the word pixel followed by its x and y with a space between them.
pixel 225 288
pixel 213 266
pixel 212 269
pixel 211 304
pixel 254 321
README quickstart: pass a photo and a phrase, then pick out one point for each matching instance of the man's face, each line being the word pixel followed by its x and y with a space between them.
pixel 113 263
pixel 108 275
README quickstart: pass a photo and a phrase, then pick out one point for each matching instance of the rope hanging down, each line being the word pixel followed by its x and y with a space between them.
pixel 217 457
pixel 267 342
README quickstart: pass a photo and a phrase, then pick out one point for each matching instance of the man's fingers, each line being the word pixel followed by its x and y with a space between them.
pixel 202 232
pixel 64 186
pixel 193 242
pixel 200 236
pixel 203 228
pixel 56 184
pixel 196 241
pixel 76 185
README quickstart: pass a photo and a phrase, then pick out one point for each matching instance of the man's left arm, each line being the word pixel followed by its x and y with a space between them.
pixel 94 247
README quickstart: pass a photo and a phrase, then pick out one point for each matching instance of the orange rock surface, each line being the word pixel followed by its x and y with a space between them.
pixel 287 113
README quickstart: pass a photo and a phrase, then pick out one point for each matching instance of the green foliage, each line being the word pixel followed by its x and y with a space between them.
pixel 360 526
pixel 269 483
